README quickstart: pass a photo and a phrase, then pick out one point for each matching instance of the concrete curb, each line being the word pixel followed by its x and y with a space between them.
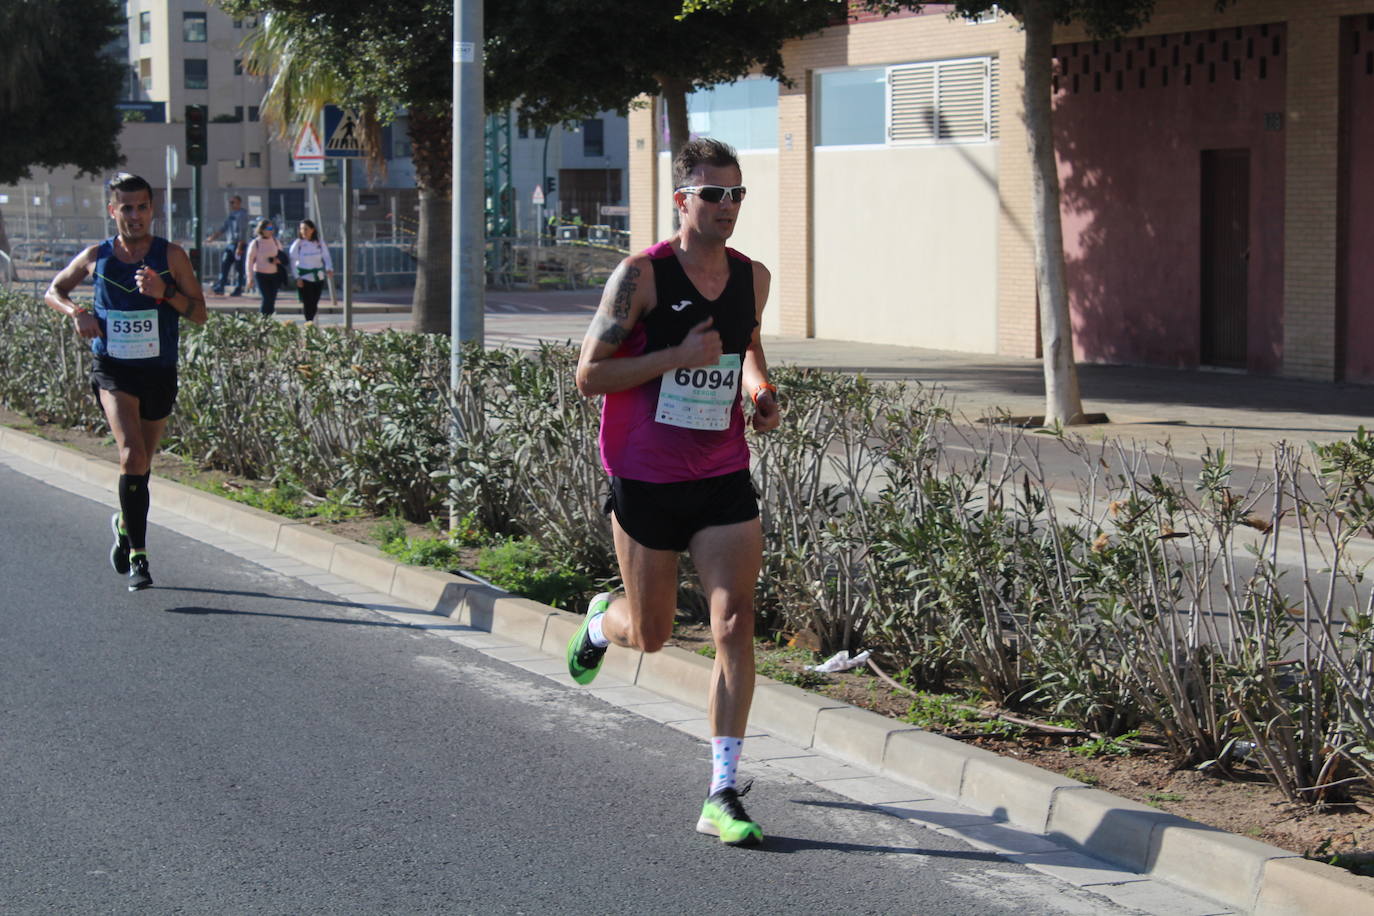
pixel 1242 873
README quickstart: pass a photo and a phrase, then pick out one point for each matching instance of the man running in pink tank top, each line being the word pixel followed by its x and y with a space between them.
pixel 673 348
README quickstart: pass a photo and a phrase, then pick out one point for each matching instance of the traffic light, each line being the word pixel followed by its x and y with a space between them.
pixel 196 139
pixel 550 185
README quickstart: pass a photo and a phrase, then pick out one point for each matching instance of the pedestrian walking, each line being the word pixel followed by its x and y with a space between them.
pixel 672 346
pixel 310 264
pixel 235 233
pixel 266 267
pixel 144 285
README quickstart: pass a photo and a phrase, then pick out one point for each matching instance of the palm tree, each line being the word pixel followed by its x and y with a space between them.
pixel 302 79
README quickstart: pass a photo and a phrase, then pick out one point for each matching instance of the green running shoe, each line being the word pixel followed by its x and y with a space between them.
pixel 584 659
pixel 119 553
pixel 722 815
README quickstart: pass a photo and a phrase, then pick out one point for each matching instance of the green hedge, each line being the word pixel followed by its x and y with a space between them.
pixel 1128 605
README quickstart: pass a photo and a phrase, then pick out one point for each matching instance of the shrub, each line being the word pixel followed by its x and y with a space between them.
pixel 521 566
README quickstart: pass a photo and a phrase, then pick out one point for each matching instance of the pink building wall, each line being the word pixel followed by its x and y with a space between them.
pixel 1132 119
pixel 1357 48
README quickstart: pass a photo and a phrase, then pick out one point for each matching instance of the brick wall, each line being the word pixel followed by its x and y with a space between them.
pixel 643 165
pixel 1312 127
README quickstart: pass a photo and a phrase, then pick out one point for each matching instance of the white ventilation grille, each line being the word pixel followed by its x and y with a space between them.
pixel 944 102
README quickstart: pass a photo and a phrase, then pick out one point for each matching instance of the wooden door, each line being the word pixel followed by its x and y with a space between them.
pixel 1225 257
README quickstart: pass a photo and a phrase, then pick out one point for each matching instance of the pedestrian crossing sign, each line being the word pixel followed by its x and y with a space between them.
pixel 343 133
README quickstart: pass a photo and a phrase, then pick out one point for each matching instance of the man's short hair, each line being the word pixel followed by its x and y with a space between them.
pixel 698 152
pixel 124 182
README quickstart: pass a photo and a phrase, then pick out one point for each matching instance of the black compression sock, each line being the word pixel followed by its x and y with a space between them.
pixel 133 502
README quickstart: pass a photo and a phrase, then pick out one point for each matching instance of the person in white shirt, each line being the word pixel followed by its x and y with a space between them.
pixel 263 263
pixel 310 264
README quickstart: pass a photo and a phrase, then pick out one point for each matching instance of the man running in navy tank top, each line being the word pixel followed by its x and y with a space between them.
pixel 144 285
pixel 673 348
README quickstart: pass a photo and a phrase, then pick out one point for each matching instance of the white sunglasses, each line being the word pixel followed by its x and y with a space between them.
pixel 714 193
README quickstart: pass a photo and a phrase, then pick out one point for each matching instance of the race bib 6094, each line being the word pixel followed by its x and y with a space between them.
pixel 700 398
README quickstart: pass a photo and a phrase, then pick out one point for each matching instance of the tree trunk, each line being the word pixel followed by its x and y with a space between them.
pixel 675 101
pixel 430 311
pixel 431 139
pixel 1063 405
pixel 5 247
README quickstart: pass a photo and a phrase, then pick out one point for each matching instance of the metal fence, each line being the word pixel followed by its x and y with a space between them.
pixel 48 225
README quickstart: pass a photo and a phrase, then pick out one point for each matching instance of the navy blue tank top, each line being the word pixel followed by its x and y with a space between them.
pixel 134 328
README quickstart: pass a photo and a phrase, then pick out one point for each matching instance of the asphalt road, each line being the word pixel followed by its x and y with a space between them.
pixel 236 741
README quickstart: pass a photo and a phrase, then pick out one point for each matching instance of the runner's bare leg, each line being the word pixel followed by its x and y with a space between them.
pixel 728 558
pixel 642 618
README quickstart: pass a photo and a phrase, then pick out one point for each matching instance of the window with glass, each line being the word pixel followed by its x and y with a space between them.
pixel 255 160
pixel 238 66
pixel 593 138
pixel 193 26
pixel 145 28
pixel 743 114
pixel 851 107
pixel 252 112
pixel 197 73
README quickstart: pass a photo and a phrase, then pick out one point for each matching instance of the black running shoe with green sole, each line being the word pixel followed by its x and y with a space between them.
pixel 723 816
pixel 139 577
pixel 584 659
pixel 119 553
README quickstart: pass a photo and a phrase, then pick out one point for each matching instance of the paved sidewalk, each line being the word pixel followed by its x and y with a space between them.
pixel 1191 409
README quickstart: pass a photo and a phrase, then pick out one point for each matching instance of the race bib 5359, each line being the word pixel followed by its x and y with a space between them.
pixel 132 335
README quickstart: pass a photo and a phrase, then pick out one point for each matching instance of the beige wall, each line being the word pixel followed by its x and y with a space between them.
pixel 907 249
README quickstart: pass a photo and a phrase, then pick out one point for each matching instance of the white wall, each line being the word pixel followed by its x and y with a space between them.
pixel 906 246
pixel 755 232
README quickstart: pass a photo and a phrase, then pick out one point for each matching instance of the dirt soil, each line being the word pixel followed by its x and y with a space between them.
pixel 1247 805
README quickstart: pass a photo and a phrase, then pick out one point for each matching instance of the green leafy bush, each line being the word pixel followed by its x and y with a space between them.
pixel 1145 601
pixel 521 566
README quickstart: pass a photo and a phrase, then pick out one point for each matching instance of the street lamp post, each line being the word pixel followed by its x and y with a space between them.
pixel 544 175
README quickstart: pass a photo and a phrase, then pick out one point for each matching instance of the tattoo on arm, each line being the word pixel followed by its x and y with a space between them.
pixel 606 330
pixel 624 292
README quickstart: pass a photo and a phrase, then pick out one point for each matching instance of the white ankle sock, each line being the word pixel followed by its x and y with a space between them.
pixel 594 633
pixel 724 762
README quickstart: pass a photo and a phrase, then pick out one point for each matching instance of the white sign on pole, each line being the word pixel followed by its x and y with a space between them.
pixel 538 197
pixel 308 143
pixel 307 157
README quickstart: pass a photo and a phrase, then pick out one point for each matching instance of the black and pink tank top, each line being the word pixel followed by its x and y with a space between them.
pixel 687 425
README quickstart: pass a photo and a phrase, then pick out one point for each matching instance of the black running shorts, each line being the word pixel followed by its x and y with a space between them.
pixel 154 386
pixel 665 516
